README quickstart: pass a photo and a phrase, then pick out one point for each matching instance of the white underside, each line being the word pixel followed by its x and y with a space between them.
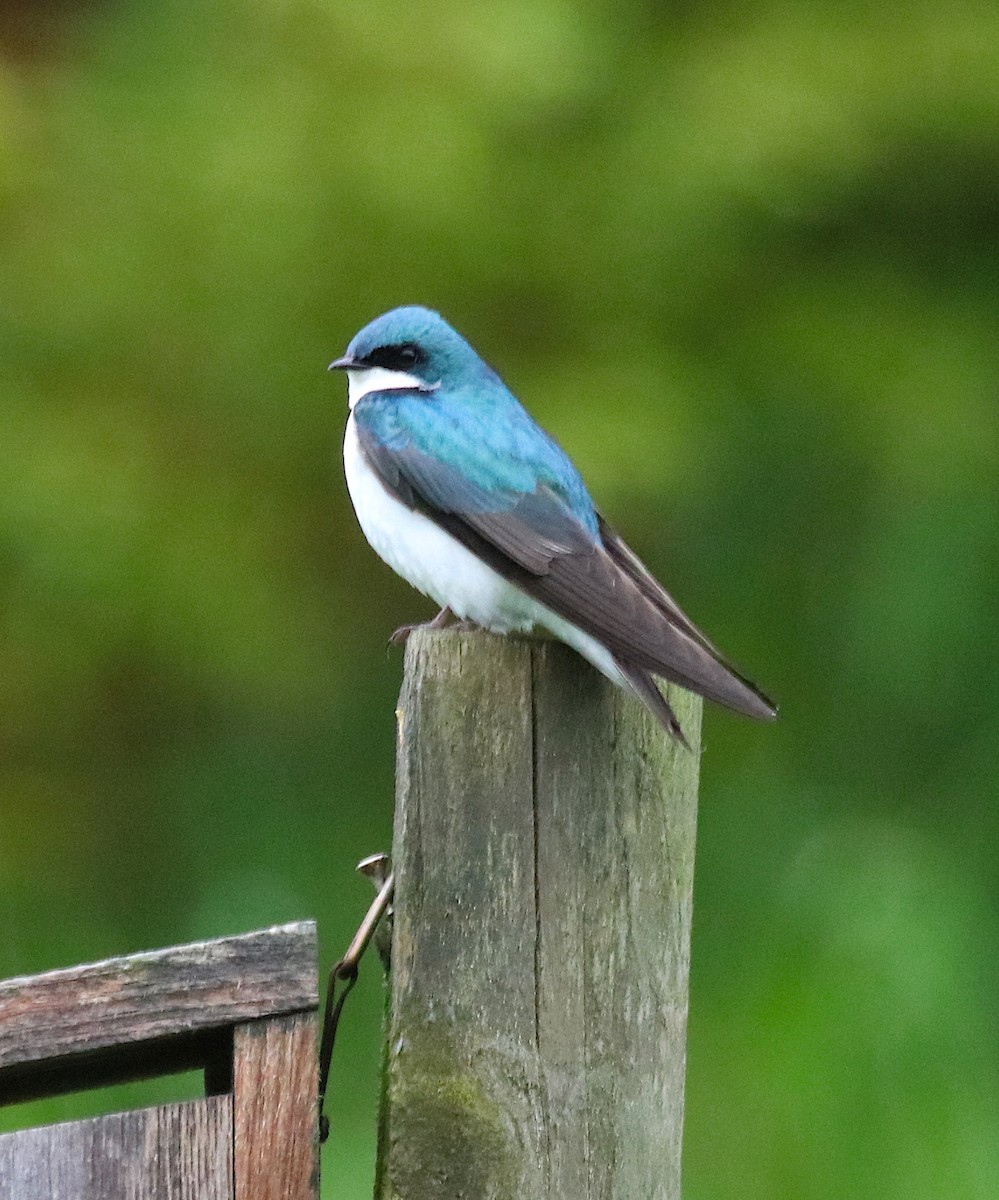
pixel 441 567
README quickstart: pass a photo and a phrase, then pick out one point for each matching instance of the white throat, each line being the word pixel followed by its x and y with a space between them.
pixel 361 380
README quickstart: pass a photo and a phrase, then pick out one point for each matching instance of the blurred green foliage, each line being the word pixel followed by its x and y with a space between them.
pixel 741 259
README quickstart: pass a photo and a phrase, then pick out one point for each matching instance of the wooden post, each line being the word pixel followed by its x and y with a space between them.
pixel 544 853
pixel 241 1008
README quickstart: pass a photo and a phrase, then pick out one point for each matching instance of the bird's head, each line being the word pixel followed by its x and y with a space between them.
pixel 405 349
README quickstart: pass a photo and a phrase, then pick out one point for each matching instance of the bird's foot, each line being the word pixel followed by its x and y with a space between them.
pixel 401 635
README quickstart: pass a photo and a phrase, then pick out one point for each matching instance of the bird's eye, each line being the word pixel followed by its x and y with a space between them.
pixel 402 357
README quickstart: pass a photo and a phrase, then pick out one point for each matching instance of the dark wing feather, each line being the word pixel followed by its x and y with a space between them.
pixel 651 588
pixel 755 703
pixel 596 582
pixel 599 593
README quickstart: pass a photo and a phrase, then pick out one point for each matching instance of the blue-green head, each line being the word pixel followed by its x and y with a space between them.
pixel 415 344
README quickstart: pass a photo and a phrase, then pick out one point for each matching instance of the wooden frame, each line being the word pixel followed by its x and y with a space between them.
pixel 243 1009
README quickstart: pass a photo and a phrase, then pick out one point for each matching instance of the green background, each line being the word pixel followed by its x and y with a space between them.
pixel 742 260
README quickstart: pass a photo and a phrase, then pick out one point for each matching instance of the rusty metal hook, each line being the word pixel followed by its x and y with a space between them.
pixel 375 867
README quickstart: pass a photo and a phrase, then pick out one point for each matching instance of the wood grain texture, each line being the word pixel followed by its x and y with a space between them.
pixel 544 849
pixel 49 1021
pixel 176 1152
pixel 275 1097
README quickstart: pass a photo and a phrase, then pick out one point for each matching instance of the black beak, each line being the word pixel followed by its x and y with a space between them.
pixel 343 364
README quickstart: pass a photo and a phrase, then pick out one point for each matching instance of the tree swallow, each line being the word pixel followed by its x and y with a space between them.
pixel 469 500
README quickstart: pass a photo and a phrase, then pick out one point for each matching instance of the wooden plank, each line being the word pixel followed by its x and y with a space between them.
pixel 275 1098
pixel 183 992
pixel 175 1152
pixel 543 853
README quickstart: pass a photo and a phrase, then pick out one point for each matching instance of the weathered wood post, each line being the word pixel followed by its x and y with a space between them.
pixel 243 1009
pixel 544 853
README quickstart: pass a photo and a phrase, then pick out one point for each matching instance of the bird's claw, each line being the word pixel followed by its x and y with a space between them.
pixel 401 635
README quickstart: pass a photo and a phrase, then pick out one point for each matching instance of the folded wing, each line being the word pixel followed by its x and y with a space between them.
pixel 590 578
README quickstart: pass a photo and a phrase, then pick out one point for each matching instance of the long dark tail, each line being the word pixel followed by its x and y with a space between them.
pixel 645 688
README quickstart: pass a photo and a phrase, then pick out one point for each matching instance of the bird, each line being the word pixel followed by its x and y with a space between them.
pixel 465 496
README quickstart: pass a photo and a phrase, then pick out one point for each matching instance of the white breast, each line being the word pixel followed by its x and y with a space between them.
pixel 427 557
